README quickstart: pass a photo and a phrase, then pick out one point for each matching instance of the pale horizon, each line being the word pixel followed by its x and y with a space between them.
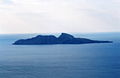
pixel 56 16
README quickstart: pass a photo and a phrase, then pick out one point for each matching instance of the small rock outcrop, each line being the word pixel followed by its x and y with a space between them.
pixel 64 38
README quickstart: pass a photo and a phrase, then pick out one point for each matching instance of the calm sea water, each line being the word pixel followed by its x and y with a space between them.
pixel 60 61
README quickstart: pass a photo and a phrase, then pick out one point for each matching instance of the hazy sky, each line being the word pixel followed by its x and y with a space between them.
pixel 44 16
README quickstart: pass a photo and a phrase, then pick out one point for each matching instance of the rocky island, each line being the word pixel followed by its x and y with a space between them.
pixel 64 38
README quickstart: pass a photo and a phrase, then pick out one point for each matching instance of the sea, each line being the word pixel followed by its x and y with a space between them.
pixel 98 60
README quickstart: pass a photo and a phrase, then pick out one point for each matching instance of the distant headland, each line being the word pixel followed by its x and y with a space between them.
pixel 64 38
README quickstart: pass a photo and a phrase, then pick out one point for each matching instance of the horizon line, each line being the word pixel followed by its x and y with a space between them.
pixel 60 33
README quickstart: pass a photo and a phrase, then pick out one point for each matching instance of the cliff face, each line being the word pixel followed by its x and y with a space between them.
pixel 64 38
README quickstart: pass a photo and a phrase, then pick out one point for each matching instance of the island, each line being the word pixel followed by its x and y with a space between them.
pixel 64 38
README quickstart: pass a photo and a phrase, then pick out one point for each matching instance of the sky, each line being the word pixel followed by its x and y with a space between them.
pixel 55 16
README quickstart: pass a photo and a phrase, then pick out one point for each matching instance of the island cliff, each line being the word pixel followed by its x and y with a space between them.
pixel 64 38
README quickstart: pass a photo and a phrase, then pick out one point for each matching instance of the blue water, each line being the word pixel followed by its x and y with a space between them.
pixel 60 61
